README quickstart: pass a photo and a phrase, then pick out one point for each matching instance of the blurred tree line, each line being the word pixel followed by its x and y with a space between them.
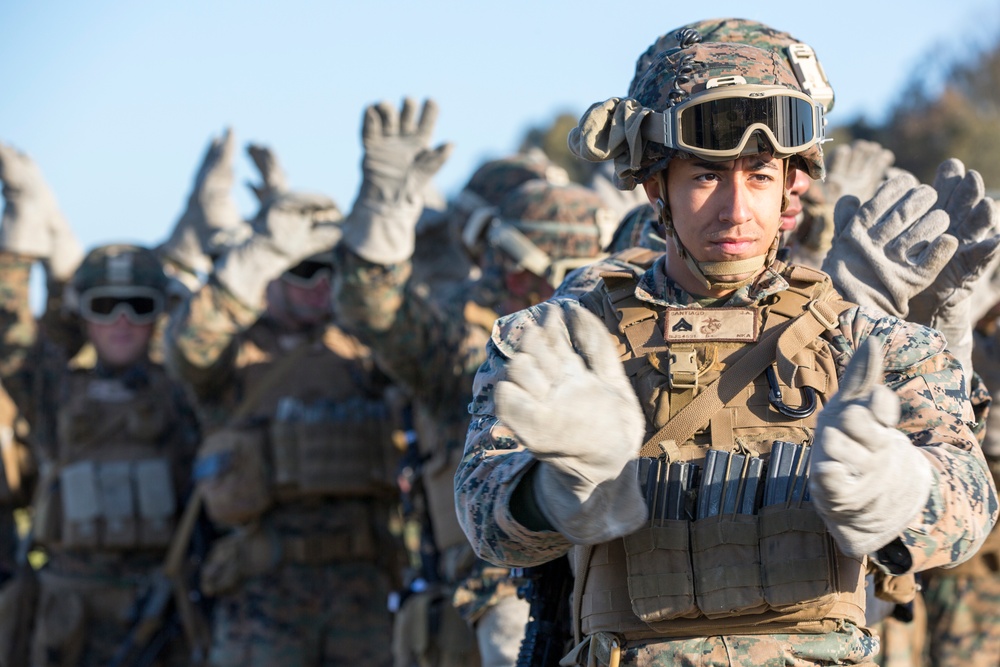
pixel 949 108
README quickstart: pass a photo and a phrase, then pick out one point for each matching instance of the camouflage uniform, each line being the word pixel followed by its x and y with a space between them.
pixel 434 346
pixel 963 603
pixel 301 580
pixel 91 587
pixel 935 414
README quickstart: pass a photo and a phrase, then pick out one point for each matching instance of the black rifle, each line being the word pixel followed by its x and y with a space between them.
pixel 547 590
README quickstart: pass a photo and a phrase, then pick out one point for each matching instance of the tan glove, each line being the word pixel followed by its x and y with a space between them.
pixel 946 304
pixel 240 555
pixel 292 227
pixel 569 402
pixel 396 168
pixel 866 479
pixel 210 222
pixel 33 225
pixel 890 249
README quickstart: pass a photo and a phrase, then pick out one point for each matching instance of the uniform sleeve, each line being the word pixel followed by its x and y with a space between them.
pixel 201 340
pixel 495 462
pixel 426 346
pixel 937 416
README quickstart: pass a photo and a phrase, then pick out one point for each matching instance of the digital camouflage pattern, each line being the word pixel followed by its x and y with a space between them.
pixel 39 370
pixel 494 179
pixel 729 30
pixel 963 604
pixel 304 615
pixel 298 614
pixel 963 625
pixel 935 414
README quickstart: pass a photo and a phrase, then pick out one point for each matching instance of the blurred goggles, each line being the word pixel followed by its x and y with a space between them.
pixel 104 305
pixel 719 123
pixel 526 256
pixel 308 274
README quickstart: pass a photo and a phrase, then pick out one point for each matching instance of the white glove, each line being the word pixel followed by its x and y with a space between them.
pixel 889 250
pixel 946 305
pixel 867 480
pixel 211 221
pixel 272 176
pixel 569 402
pixel 33 225
pixel 291 228
pixel 396 168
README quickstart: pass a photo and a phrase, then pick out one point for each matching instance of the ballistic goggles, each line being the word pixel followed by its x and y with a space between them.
pixel 104 305
pixel 719 123
pixel 308 274
pixel 527 256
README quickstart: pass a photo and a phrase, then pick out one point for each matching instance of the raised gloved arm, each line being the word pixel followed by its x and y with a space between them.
pixel 396 168
pixel 568 401
pixel 890 249
pixel 210 221
pixel 947 303
pixel 33 225
pixel 291 228
pixel 867 479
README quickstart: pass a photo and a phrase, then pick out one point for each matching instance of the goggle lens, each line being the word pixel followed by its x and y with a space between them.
pixel 722 124
pixel 307 274
pixel 106 309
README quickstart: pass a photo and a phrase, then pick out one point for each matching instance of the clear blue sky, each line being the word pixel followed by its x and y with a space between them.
pixel 117 100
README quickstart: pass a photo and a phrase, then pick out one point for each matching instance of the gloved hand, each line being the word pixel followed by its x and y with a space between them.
pixel 292 227
pixel 891 248
pixel 211 221
pixel 569 402
pixel 946 305
pixel 273 180
pixel 857 169
pixel 866 479
pixel 32 223
pixel 396 169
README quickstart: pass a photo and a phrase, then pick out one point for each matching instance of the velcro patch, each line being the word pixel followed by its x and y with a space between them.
pixel 735 325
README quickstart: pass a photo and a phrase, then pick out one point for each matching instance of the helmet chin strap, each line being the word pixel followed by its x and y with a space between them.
pixel 707 272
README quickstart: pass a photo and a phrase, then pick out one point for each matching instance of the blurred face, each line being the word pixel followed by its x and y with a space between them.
pixel 308 304
pixel 721 211
pixel 791 216
pixel 119 343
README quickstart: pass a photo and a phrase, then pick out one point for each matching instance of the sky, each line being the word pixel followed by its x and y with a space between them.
pixel 117 101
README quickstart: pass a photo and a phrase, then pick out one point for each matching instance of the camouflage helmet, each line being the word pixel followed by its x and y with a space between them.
pixel 683 73
pixel 799 56
pixel 550 229
pixel 120 265
pixel 476 204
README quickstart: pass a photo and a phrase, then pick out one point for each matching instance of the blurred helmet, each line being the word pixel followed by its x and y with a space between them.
pixel 115 279
pixel 549 229
pixel 476 203
pixel 799 56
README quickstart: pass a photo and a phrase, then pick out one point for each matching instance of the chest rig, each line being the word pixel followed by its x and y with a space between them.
pixel 311 424
pixel 118 476
pixel 731 381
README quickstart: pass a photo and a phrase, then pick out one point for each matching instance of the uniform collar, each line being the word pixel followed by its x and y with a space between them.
pixel 656 288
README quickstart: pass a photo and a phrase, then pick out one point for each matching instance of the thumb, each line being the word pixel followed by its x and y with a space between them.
pixel 843 212
pixel 863 373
